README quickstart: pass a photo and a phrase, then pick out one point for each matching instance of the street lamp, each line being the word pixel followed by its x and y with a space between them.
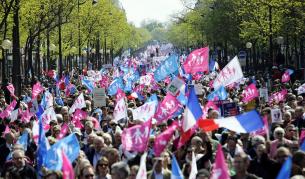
pixel 52 49
pixel 6 45
pixel 248 46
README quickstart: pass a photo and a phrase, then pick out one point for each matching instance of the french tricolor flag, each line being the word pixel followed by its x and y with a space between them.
pixel 245 123
pixel 192 111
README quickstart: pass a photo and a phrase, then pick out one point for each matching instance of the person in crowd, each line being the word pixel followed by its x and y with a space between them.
pixel 241 164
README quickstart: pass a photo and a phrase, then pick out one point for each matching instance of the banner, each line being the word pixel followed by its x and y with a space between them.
pixel 197 61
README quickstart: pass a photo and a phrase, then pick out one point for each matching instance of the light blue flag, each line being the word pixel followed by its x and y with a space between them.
pixel 302 147
pixel 167 67
pixel 89 85
pixel 219 94
pixel 128 85
pixel 153 97
pixel 69 145
pixel 176 172
pixel 23 140
pixel 115 84
pixel 43 146
pixel 285 170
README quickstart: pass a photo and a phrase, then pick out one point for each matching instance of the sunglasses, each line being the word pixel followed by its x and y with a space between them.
pixel 103 165
pixel 89 176
pixel 112 124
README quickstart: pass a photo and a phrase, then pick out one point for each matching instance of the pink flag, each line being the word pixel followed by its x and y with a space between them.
pixel 8 110
pixel 26 116
pixel 167 80
pixel 197 76
pixel 286 77
pixel 250 93
pixel 302 136
pixel 104 82
pixel 37 88
pixel 67 169
pixel 197 61
pixel 209 105
pixel 6 131
pixel 278 96
pixel 119 95
pixel 139 88
pixel 136 138
pixel 63 131
pixel 162 139
pixel 11 89
pixel 220 168
pixel 79 114
pixel 167 108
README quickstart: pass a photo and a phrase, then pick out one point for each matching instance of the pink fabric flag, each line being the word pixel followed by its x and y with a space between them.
pixel 138 88
pixel 220 168
pixel 67 169
pixel 104 82
pixel 162 139
pixel 264 130
pixel 167 80
pixel 209 105
pixel 197 76
pixel 37 89
pixel 185 136
pixel 197 61
pixel 79 103
pixel 8 110
pixel 119 95
pixel 63 131
pixel 167 108
pixel 286 77
pixel 136 138
pixel 278 96
pixel 11 89
pixel 250 93
pixel 26 116
pixel 6 131
pixel 302 136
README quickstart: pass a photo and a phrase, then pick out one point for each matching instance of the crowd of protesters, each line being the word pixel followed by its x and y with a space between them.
pixel 102 155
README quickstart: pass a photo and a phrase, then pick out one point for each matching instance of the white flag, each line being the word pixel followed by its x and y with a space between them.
pixel 194 170
pixel 231 73
pixel 14 115
pixel 120 110
pixel 142 174
pixel 79 103
pixel 146 111
pixel 301 89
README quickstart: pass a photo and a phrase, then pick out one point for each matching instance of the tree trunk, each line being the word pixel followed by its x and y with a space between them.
pixel 16 50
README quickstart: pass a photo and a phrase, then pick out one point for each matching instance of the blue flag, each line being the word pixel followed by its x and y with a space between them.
pixel 89 85
pixel 302 147
pixel 152 98
pixel 285 170
pixel 219 94
pixel 128 85
pixel 69 145
pixel 176 171
pixel 115 84
pixel 43 146
pixel 59 101
pixel 23 140
pixel 39 111
pixel 67 80
pixel 167 67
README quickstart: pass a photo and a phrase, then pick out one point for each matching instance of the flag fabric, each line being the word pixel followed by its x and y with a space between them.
pixel 167 67
pixel 114 85
pixel 213 65
pixel 194 170
pixel 285 170
pixel 69 145
pixel 176 171
pixel 43 145
pixel 136 138
pixel 197 61
pixel 37 89
pixel 302 137
pixel 231 73
pixel 8 110
pixel 67 168
pixel 142 173
pixel 63 131
pixel 250 93
pixel 47 116
pixel 185 136
pixel 120 110
pixel 301 89
pixel 244 123
pixel 119 95
pixel 137 95
pixel 79 103
pixel 192 111
pixel 14 115
pixel 47 100
pixel 218 94
pixel 147 79
pixel 146 111
pixel 11 89
pixel 164 138
pixel 220 167
pixel 285 77
pixel 6 131
pixel 302 147
pixel 278 96
pixel 167 108
pixel 23 140
pixel 26 116
pixel 78 116
pixel 89 85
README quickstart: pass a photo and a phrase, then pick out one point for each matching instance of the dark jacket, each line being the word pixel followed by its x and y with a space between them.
pixel 265 168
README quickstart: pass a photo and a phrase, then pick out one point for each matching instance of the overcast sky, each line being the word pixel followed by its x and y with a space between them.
pixel 138 10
